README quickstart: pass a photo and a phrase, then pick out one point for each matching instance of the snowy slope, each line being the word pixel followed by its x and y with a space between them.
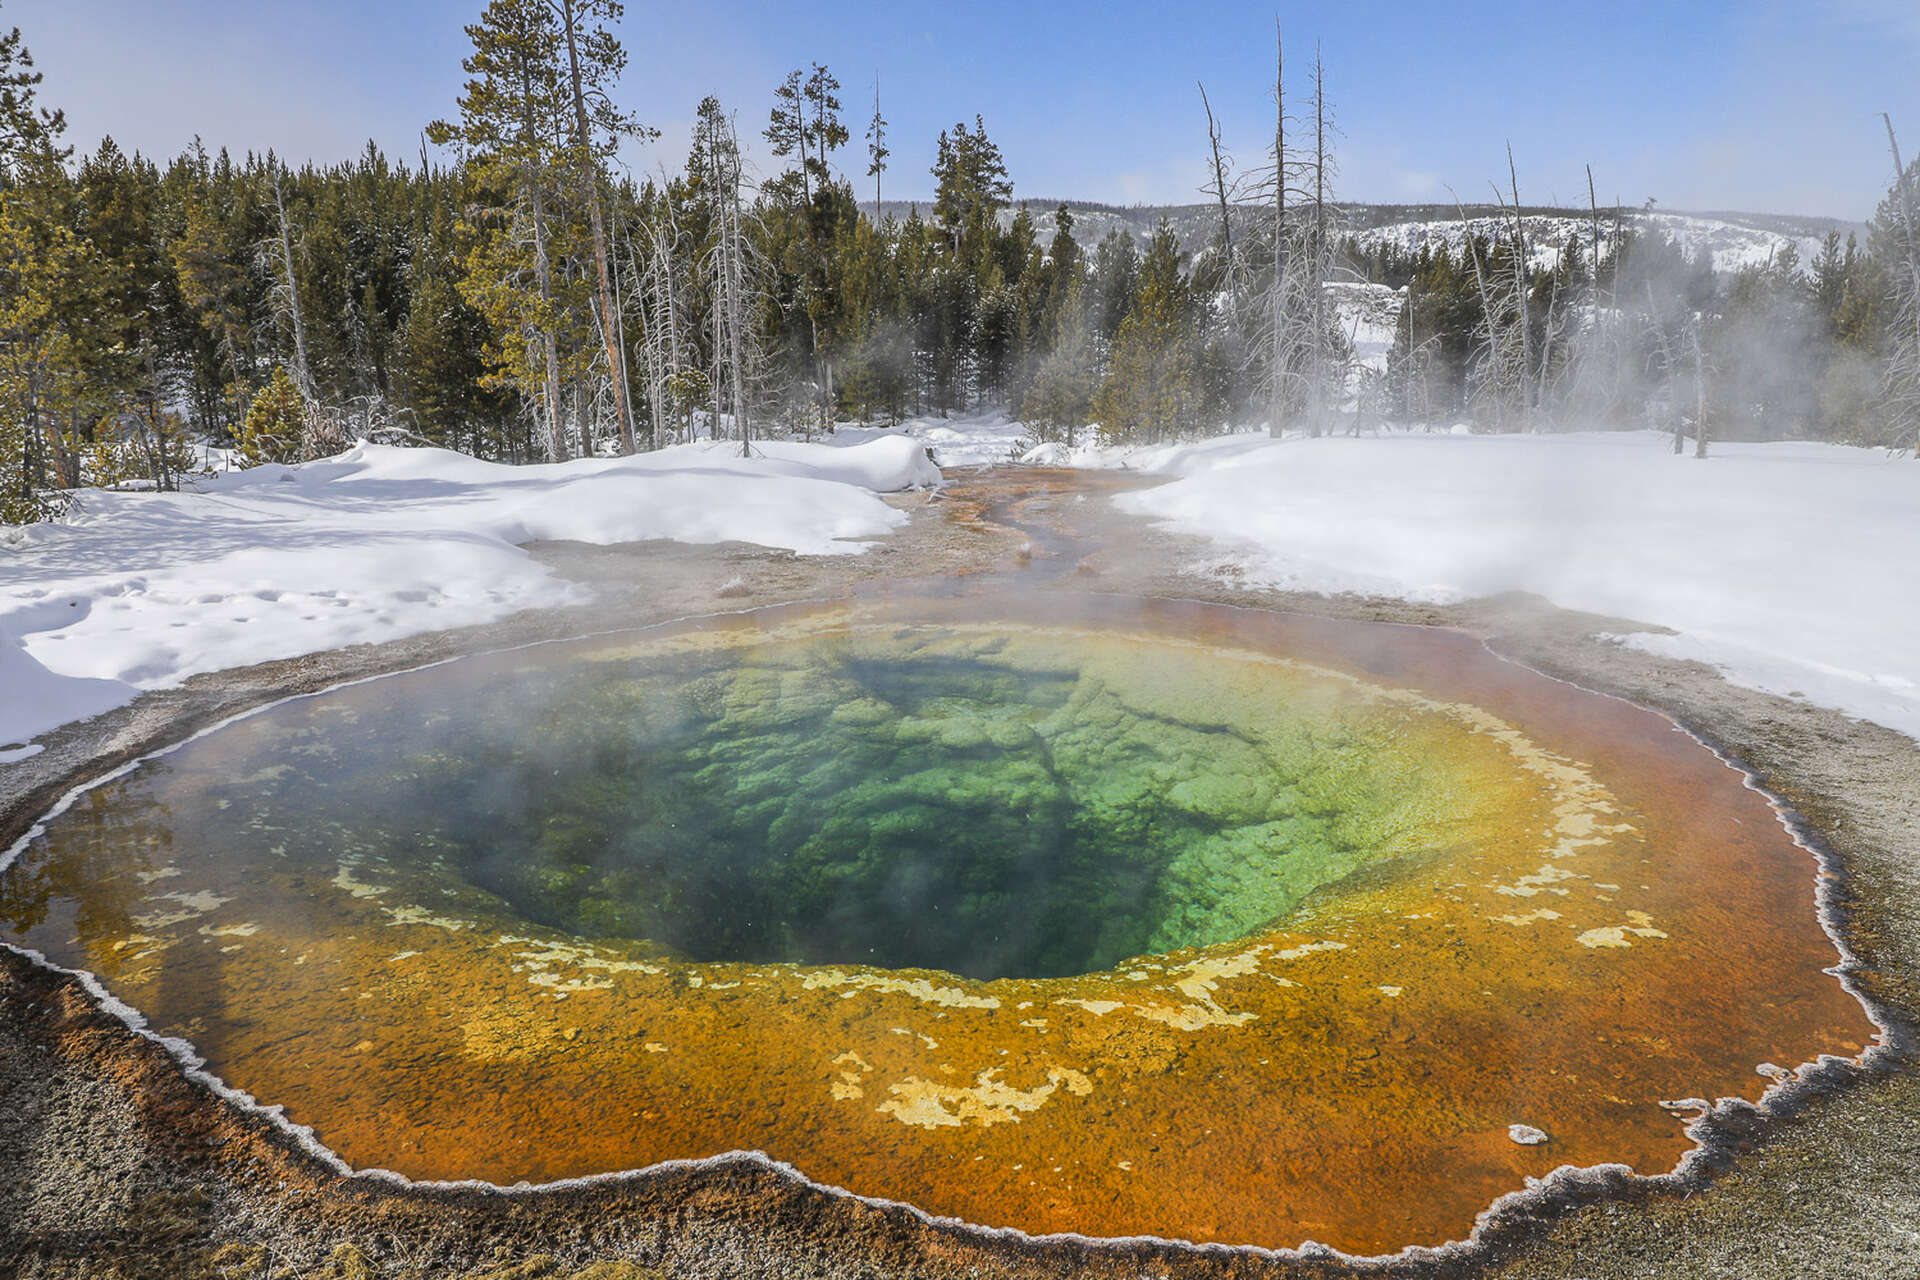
pixel 1731 245
pixel 1734 240
pixel 1789 566
pixel 139 591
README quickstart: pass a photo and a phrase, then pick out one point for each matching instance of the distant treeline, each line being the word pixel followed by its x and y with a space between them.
pixel 1644 335
pixel 513 296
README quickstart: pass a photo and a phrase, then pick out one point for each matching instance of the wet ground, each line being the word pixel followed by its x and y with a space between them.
pixel 113 1161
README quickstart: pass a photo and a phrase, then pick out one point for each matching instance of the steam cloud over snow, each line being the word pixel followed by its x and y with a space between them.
pixel 1791 566
pixel 139 591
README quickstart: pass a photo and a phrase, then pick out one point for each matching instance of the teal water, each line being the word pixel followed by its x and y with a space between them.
pixel 993 804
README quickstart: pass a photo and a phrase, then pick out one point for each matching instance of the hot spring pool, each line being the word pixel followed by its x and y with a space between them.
pixel 1103 915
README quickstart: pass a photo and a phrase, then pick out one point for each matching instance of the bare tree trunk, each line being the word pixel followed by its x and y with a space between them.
pixel 654 286
pixel 1220 193
pixel 732 346
pixel 66 462
pixel 671 336
pixel 1699 392
pixel 737 320
pixel 1495 354
pixel 302 370
pixel 1522 273
pixel 1546 343
pixel 1593 205
pixel 620 322
pixel 1318 369
pixel 32 469
pixel 1276 424
pixel 1912 396
pixel 543 279
pixel 590 180
pixel 162 465
pixel 1668 362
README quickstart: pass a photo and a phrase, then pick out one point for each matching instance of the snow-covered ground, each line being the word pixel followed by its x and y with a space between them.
pixel 1731 246
pixel 1793 567
pixel 986 439
pixel 138 591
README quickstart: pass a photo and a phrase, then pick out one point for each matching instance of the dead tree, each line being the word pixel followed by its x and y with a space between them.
pixel 590 182
pixel 1903 371
pixel 733 270
pixel 1320 263
pixel 1521 266
pixel 1499 371
pixel 1278 304
pixel 287 294
pixel 1593 349
pixel 655 266
pixel 1221 189
pixel 1293 329
pixel 1699 389
pixel 1669 361
pixel 542 334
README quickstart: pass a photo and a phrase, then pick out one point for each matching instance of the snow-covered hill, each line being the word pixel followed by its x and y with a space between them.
pixel 1734 240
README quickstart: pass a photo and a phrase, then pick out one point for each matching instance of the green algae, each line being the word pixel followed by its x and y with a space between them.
pixel 990 803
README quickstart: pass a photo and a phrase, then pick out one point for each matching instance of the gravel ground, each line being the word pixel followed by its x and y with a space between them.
pixel 114 1162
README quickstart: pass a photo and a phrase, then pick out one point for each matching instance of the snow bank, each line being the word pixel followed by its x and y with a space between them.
pixel 970 440
pixel 1792 567
pixel 138 591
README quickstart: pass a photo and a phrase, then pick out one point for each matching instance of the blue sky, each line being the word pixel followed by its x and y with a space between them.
pixel 1759 106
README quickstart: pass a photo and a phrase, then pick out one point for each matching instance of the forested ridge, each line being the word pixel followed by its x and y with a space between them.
pixel 514 293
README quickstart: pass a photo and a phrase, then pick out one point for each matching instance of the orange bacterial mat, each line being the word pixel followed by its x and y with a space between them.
pixel 1397 925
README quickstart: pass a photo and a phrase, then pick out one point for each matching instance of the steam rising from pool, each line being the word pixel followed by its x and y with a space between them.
pixel 1106 916
pixel 990 803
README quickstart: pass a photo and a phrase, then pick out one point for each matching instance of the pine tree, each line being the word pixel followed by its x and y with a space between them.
pixel 45 276
pixel 440 347
pixel 1149 393
pixel 971 187
pixel 221 297
pixel 594 61
pixel 512 113
pixel 38 375
pixel 1060 398
pixel 276 422
pixel 877 152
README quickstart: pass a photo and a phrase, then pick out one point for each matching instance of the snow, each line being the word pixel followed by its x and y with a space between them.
pixel 1547 234
pixel 1789 566
pixel 970 440
pixel 1732 246
pixel 138 591
pixel 1369 316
